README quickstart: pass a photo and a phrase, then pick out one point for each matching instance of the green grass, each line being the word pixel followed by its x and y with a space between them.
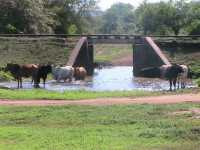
pixel 4 76
pixel 187 56
pixel 110 52
pixel 198 82
pixel 27 94
pixel 134 127
pixel 41 50
pixel 69 95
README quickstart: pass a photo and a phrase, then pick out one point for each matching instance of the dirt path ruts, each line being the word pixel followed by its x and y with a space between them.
pixel 167 99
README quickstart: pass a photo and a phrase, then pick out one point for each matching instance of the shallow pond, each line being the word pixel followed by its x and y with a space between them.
pixel 106 79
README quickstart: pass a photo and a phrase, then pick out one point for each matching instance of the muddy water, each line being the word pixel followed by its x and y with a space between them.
pixel 107 79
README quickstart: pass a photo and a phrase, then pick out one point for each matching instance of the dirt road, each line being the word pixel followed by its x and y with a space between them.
pixel 167 99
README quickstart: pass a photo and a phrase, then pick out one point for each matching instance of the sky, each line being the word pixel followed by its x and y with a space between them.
pixel 105 4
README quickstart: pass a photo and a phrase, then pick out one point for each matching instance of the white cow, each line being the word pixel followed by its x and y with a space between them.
pixel 63 73
pixel 182 78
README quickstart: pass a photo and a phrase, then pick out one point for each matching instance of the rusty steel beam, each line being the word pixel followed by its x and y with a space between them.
pixel 95 35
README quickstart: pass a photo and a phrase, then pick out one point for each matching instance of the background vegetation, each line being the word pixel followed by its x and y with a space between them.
pixel 77 16
pixel 37 50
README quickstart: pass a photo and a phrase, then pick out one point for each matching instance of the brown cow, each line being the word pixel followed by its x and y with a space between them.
pixel 19 71
pixel 80 73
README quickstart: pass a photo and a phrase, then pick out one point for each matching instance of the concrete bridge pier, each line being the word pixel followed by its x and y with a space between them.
pixel 146 54
pixel 90 65
pixel 82 55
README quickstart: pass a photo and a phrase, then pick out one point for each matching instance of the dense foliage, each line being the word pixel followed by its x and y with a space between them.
pixel 83 16
pixel 43 16
pixel 175 17
pixel 118 19
pixel 26 16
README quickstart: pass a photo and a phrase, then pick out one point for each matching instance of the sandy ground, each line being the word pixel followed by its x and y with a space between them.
pixel 167 99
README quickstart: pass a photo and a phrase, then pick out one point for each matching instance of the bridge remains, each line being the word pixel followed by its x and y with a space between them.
pixel 82 55
pixel 147 54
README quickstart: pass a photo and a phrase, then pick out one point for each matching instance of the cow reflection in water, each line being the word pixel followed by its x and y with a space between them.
pixel 168 72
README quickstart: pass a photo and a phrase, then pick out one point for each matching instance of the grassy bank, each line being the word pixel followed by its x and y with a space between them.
pixel 182 51
pixel 39 50
pixel 135 127
pixel 69 95
pixel 30 94
pixel 110 52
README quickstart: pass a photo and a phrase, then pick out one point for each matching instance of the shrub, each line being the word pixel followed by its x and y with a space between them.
pixel 4 76
pixel 198 82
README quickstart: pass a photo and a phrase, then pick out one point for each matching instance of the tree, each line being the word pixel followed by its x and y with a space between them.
pixel 44 16
pixel 25 16
pixel 177 15
pixel 71 13
pixel 118 19
pixel 193 18
pixel 162 17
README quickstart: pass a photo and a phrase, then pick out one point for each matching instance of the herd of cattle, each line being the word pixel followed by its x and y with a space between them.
pixel 175 74
pixel 66 73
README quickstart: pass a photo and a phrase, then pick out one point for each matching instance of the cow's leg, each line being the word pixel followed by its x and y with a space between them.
pixel 36 80
pixel 70 79
pixel 174 83
pixel 178 82
pixel 32 81
pixel 44 80
pixel 170 85
pixel 183 85
pixel 20 82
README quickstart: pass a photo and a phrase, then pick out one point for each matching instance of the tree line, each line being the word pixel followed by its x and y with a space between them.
pixel 175 17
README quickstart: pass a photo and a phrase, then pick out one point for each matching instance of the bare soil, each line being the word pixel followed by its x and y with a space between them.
pixel 126 60
pixel 167 99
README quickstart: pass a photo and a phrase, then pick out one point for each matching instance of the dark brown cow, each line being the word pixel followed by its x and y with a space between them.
pixel 19 71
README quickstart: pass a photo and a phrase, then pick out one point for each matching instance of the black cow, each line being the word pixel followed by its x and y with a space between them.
pixel 43 71
pixel 168 72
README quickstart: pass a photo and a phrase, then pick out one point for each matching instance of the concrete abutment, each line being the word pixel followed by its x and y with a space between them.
pixel 145 54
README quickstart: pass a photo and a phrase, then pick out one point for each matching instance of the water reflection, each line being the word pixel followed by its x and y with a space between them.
pixel 107 79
